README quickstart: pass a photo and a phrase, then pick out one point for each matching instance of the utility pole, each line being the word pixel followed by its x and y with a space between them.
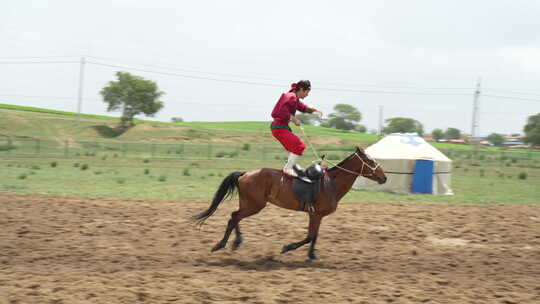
pixel 81 83
pixel 476 110
pixel 380 120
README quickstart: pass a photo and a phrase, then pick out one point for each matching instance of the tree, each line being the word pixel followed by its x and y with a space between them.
pixel 360 128
pixel 532 130
pixel 308 119
pixel 437 134
pixel 177 119
pixel 132 95
pixel 403 125
pixel 345 117
pixel 452 133
pixel 496 139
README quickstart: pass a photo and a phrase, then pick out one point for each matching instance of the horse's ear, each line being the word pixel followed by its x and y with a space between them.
pixel 323 156
pixel 358 149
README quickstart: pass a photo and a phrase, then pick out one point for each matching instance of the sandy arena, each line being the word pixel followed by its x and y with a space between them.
pixel 56 249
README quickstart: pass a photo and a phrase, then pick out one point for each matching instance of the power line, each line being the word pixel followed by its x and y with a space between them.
pixel 280 79
pixel 36 57
pixel 510 97
pixel 186 76
pixel 247 82
pixel 270 84
pixel 514 92
pixel 35 62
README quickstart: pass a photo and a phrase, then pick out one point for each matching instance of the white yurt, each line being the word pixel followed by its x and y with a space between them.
pixel 411 165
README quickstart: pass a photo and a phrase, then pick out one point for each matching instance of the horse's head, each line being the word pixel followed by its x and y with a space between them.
pixel 370 168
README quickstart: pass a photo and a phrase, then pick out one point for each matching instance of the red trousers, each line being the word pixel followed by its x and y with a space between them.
pixel 290 141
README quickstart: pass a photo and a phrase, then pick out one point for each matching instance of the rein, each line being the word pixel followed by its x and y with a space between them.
pixel 339 167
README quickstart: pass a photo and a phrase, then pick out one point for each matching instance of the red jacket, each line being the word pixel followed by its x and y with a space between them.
pixel 286 107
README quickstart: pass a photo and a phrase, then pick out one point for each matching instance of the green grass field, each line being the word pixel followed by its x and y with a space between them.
pixel 198 179
pixel 188 160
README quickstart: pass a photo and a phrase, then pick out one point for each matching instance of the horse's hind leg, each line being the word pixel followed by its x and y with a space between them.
pixel 233 222
pixel 246 209
pixel 236 217
pixel 238 239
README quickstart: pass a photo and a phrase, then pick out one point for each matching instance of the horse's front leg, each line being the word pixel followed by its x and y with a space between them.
pixel 313 231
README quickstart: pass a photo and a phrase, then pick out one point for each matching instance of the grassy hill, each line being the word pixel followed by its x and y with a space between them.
pixel 52 124
pixel 62 125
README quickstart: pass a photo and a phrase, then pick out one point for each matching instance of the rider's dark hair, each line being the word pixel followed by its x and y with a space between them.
pixel 304 84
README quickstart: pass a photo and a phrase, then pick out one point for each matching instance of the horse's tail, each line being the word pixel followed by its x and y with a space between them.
pixel 225 190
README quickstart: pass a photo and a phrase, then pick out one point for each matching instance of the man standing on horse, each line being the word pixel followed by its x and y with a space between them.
pixel 284 111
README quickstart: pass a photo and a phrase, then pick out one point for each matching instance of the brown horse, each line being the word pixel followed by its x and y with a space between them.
pixel 258 187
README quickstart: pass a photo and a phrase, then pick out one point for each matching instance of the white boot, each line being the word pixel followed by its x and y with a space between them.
pixel 288 169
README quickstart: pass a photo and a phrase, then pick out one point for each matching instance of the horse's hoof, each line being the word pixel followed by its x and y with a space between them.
pixel 284 249
pixel 218 247
pixel 235 245
pixel 312 257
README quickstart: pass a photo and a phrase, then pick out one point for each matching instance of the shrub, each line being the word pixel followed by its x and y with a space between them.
pixel 501 175
pixel 146 160
pixel 186 172
pixel 7 147
pixel 121 180
pixel 97 172
pixel 162 178
pixel 104 157
pixel 221 154
pixel 76 165
pixel 211 174
pixel 482 172
pixel 233 154
pixel 35 167
pixel 84 167
pixel 146 171
pixel 514 160
pixel 522 175
pixel 54 164
pixel 509 164
pixel 246 147
pixel 22 176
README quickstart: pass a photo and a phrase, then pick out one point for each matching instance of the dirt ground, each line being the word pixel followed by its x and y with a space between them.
pixel 56 249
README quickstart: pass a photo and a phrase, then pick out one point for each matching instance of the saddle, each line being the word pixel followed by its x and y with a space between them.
pixel 307 185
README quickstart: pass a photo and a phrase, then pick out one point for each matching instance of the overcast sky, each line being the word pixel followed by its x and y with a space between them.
pixel 230 60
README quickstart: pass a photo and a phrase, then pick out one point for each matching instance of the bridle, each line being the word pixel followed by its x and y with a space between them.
pixel 364 164
pixel 346 170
